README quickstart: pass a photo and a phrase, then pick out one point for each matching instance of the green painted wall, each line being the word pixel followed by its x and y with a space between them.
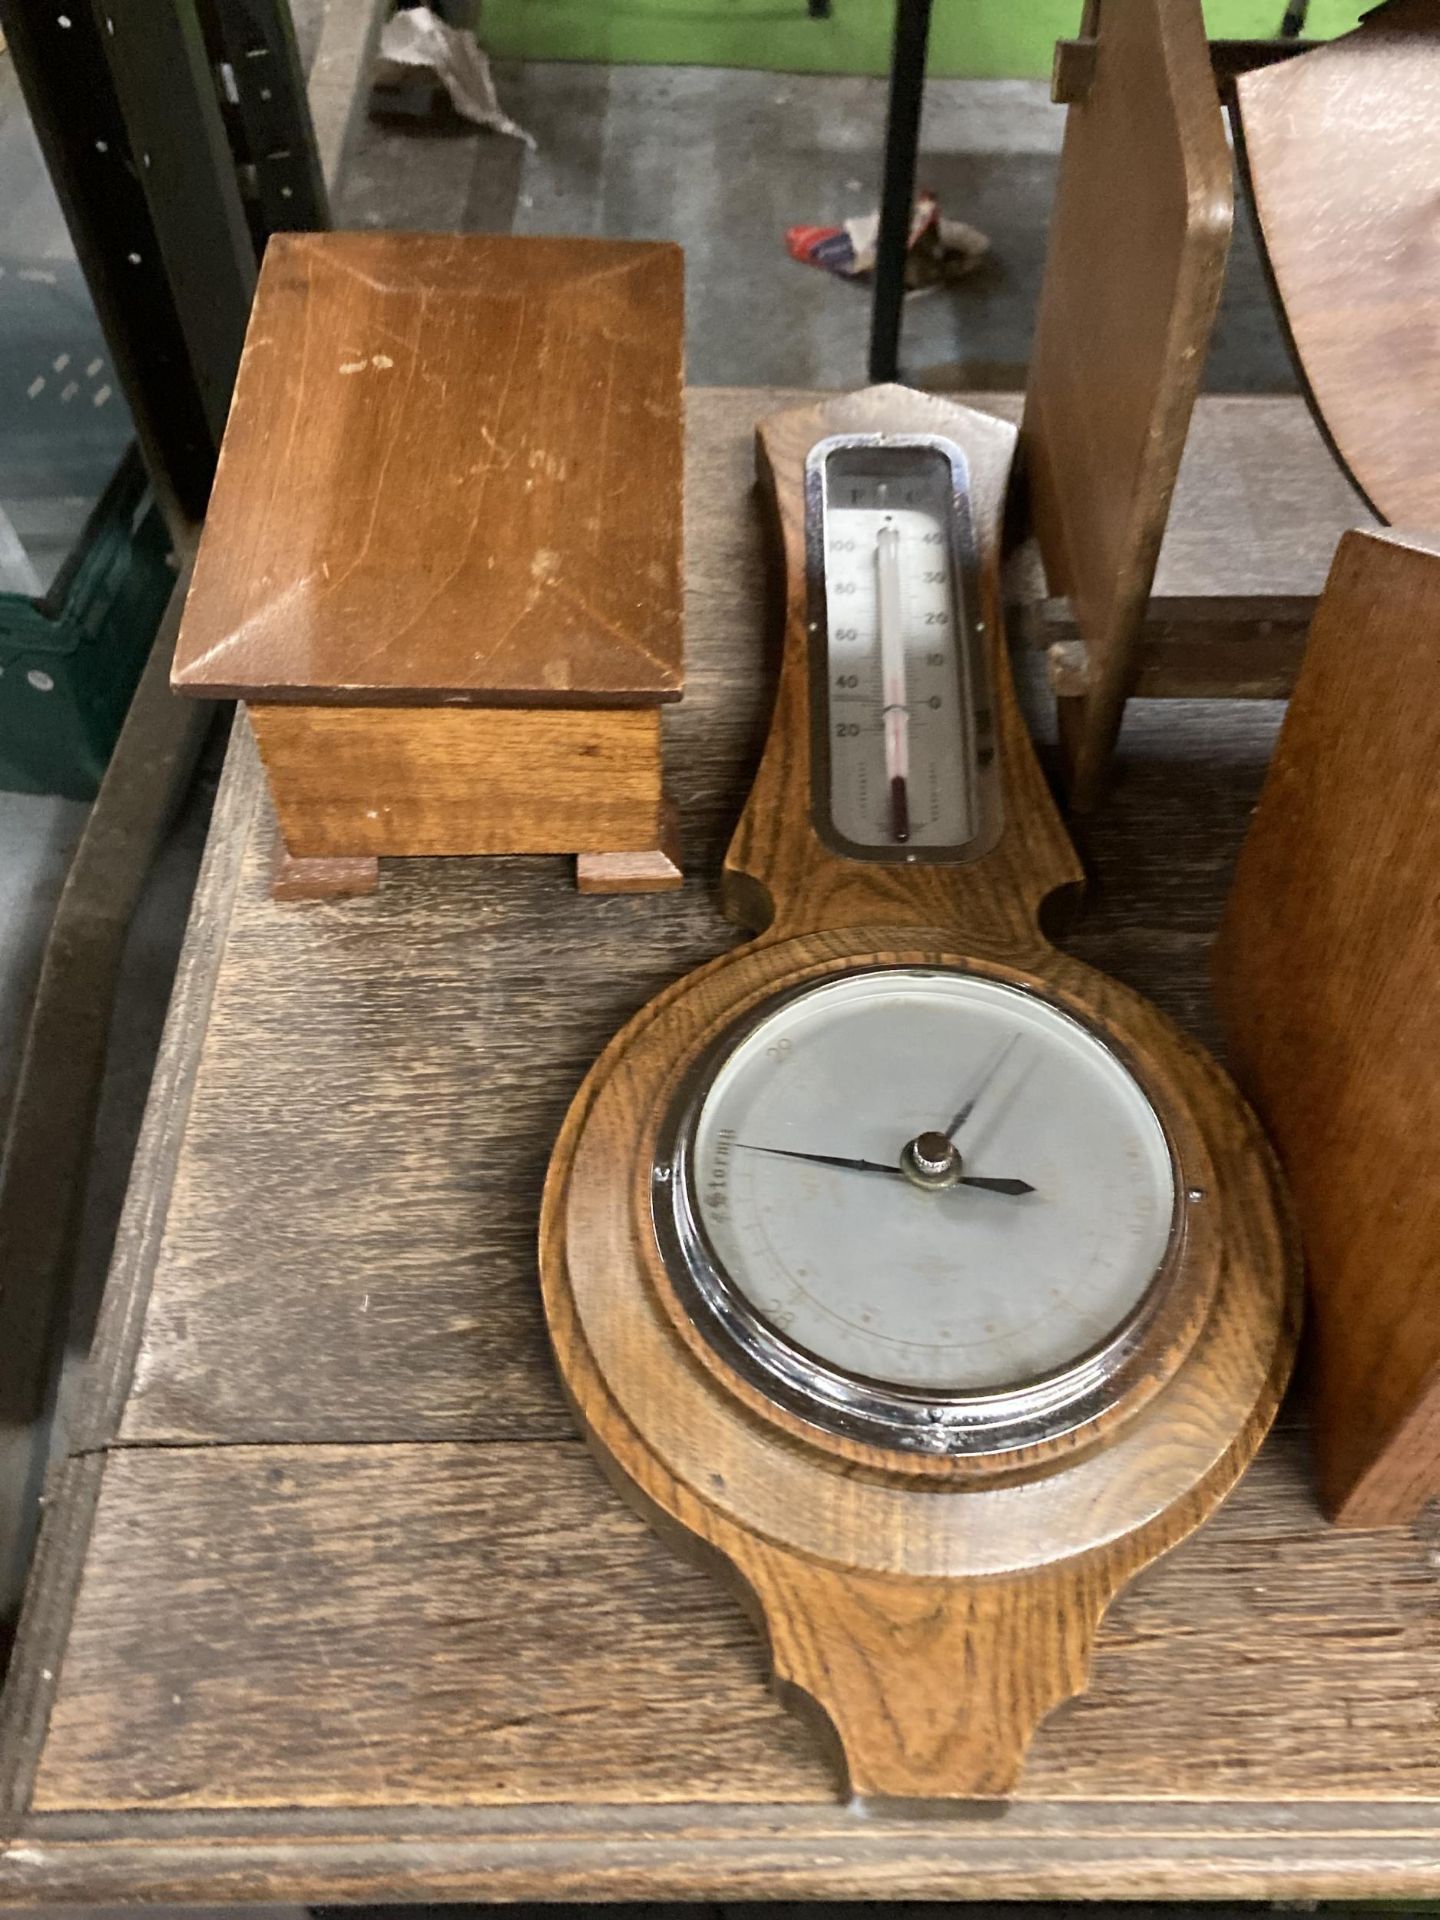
pixel 983 38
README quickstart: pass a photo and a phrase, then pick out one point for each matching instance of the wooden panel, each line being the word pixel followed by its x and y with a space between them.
pixel 395 780
pixel 1342 153
pixel 1328 970
pixel 469 1626
pixel 1136 254
pixel 452 470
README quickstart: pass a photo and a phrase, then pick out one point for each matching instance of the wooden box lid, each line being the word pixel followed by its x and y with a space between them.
pixel 452 472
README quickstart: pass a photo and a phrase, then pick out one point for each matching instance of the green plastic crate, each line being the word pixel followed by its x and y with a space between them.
pixel 70 660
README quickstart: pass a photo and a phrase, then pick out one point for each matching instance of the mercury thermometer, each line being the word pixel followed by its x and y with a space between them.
pixel 903 734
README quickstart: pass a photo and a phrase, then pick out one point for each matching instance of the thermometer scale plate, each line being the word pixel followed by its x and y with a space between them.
pixel 903 737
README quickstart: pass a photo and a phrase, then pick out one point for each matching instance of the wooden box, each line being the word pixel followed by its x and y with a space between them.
pixel 442 561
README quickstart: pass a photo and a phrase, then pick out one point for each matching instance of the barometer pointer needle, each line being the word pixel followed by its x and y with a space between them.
pixel 970 1105
pixel 986 1184
pixel 895 712
pixel 989 1185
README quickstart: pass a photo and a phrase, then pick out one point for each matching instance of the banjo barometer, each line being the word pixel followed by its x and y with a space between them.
pixel 928 1281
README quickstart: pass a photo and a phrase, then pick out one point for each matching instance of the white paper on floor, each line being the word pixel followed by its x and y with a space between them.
pixel 418 38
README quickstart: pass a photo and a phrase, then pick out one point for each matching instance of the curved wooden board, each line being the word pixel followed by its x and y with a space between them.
pixel 1138 241
pixel 1341 150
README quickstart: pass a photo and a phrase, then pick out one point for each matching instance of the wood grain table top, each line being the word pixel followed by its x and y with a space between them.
pixel 332 1604
pixel 450 474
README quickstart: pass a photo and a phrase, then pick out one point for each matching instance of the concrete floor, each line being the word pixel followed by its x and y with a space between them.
pixel 724 161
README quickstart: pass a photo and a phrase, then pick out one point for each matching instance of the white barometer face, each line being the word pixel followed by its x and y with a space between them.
pixel 926 1179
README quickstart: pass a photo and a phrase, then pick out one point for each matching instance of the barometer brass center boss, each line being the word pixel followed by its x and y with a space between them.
pixel 932 1280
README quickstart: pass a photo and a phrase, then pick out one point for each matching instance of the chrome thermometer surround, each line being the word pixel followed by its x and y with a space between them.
pixel 973 743
pixel 893 1417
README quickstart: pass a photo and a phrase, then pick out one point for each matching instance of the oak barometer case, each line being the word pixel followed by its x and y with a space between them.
pixel 928 1280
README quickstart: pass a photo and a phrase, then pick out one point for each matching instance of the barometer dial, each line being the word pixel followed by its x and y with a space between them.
pixel 919 1185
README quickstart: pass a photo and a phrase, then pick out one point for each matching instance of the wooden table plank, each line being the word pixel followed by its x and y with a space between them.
pixel 1076 1850
pixel 393 1626
pixel 340 1627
